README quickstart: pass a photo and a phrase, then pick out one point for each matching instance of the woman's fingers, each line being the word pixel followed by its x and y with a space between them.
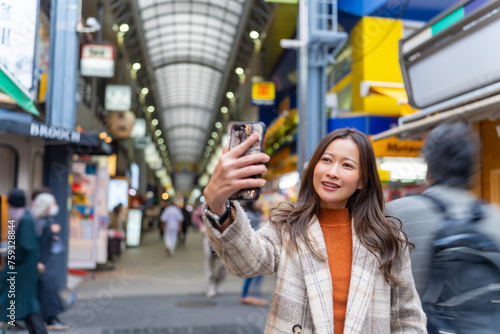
pixel 233 172
pixel 251 159
pixel 249 183
pixel 249 171
pixel 241 148
pixel 226 148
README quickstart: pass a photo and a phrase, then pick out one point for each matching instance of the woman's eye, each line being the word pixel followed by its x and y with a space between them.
pixel 325 159
pixel 348 165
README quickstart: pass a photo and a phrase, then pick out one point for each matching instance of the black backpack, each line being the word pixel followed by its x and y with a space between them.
pixel 463 289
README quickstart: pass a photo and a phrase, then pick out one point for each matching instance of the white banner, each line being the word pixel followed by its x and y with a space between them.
pixel 17 38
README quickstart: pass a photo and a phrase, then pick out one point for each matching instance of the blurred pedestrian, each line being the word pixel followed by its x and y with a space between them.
pixel 161 225
pixel 341 265
pixel 185 223
pixel 18 287
pixel 116 231
pixel 172 219
pixel 34 194
pixel 450 151
pixel 44 209
pixel 254 213
pixel 215 272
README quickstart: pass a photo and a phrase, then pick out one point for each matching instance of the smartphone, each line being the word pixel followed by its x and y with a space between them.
pixel 240 132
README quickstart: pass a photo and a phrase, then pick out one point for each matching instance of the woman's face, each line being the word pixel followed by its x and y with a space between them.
pixel 337 174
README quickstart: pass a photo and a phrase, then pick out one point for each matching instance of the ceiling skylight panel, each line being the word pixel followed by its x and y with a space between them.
pixel 186 134
pixel 145 3
pixel 150 12
pixel 184 48
pixel 183 6
pixel 195 30
pixel 235 6
pixel 168 39
pixel 152 23
pixel 172 100
pixel 177 19
pixel 166 8
pixel 188 141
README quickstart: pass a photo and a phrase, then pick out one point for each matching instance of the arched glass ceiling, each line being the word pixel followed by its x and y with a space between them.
pixel 189 45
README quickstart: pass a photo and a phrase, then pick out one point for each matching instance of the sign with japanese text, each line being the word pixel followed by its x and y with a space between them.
pixel 97 60
pixel 263 93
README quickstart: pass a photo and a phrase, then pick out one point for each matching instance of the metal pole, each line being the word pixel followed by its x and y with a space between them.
pixel 63 64
pixel 317 32
pixel 303 25
pixel 61 112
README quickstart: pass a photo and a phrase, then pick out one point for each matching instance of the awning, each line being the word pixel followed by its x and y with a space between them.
pixel 81 143
pixel 20 96
pixel 473 112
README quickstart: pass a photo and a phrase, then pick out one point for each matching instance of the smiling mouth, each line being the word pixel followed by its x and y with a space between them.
pixel 330 185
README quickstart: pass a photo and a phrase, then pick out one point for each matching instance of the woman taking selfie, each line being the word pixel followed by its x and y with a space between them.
pixel 341 265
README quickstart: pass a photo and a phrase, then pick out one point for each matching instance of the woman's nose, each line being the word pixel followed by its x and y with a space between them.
pixel 333 172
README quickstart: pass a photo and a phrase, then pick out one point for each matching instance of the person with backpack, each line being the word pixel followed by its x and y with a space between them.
pixel 456 260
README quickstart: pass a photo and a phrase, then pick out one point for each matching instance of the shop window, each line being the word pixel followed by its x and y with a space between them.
pixel 8 165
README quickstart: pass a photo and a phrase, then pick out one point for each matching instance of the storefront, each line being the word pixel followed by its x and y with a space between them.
pixel 463 86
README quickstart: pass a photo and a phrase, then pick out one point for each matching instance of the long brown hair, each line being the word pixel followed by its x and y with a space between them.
pixel 380 235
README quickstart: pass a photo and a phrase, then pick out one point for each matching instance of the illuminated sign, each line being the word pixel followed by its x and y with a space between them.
pixel 393 147
pixel 134 223
pixel 263 93
pixel 118 98
pixel 97 60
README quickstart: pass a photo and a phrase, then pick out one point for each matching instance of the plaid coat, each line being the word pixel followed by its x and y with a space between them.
pixel 302 299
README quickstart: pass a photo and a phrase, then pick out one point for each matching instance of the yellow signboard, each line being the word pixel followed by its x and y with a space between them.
pixel 393 147
pixel 263 93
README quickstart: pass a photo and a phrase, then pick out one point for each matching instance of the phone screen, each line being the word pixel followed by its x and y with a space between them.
pixel 239 133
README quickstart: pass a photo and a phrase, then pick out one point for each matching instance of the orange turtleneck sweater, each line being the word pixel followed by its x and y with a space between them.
pixel 336 226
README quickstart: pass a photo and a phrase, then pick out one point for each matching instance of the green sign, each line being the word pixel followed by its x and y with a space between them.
pixel 9 87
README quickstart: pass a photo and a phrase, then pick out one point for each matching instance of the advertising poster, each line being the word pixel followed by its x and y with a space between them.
pixel 18 21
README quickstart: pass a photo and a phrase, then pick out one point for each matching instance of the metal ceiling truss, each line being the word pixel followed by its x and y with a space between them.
pixel 126 12
pixel 180 45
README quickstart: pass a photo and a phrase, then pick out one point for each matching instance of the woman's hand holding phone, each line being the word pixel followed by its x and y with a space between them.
pixel 233 172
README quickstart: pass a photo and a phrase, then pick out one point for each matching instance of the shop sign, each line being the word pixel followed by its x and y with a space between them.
pixel 263 93
pixel 118 97
pixel 97 60
pixel 393 147
pixel 141 142
pixel 139 129
pixel 120 124
pixel 52 132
